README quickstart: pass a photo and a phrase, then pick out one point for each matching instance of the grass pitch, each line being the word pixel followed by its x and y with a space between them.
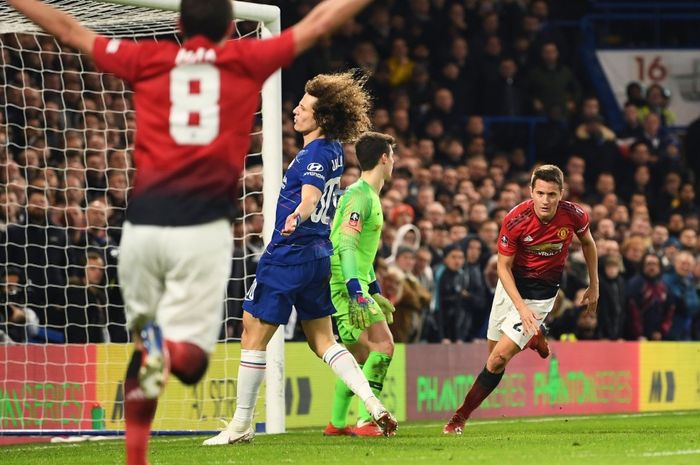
pixel 637 439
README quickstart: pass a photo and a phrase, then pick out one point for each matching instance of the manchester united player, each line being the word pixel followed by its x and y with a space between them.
pixel 532 249
pixel 194 112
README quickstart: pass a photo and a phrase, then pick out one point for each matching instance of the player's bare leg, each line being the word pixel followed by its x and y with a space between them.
pixel 485 383
pixel 251 372
pixel 319 333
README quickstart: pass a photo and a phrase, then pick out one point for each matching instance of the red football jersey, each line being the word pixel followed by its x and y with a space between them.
pixel 195 106
pixel 540 249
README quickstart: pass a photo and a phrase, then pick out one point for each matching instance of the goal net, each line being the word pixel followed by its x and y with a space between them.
pixel 66 170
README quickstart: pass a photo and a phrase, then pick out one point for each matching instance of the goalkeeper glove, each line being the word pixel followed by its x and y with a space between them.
pixel 358 310
pixel 384 303
pixel 386 306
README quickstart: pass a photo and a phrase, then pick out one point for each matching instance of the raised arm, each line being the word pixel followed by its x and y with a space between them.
pixel 323 19
pixel 57 23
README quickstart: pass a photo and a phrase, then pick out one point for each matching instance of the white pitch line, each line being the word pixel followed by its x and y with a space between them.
pixel 480 422
pixel 671 452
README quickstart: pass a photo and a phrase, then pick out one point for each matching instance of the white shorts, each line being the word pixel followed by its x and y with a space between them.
pixel 505 319
pixel 177 276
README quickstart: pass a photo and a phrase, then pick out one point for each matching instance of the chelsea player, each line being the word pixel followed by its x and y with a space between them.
pixel 295 267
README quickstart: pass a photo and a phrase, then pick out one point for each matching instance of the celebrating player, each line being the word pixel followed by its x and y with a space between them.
pixel 361 319
pixel 532 249
pixel 295 267
pixel 194 111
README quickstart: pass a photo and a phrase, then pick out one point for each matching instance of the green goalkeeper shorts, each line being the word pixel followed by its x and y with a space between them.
pixel 348 333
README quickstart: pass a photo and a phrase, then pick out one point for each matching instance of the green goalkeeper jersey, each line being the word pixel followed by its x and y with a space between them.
pixel 357 228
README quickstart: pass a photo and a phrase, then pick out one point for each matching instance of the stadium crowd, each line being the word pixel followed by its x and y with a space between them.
pixel 438 70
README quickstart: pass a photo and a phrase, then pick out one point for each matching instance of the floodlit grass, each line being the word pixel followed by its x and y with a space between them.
pixel 641 439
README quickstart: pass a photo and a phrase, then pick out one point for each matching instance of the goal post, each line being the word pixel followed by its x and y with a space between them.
pixel 22 92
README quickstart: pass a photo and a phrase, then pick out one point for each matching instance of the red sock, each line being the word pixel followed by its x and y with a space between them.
pixel 484 384
pixel 187 361
pixel 139 414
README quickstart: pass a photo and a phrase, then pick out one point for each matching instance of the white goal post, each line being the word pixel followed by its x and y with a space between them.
pixel 117 17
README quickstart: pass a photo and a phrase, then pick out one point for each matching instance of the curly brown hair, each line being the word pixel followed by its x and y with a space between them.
pixel 343 106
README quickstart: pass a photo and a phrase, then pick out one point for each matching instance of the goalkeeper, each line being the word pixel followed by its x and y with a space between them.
pixel 362 312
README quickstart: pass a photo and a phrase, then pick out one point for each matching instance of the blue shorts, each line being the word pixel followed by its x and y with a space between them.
pixel 277 287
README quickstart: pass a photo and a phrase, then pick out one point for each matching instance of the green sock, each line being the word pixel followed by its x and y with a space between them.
pixel 341 404
pixel 375 369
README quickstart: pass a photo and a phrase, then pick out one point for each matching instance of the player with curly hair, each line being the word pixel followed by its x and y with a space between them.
pixel 294 270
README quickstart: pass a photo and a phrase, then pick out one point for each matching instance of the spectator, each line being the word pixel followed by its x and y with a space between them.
pixel 443 110
pixel 476 288
pixel 460 75
pixel 18 322
pixel 635 94
pixel 633 250
pixel 596 144
pixel 654 135
pixel 631 126
pixel 689 240
pixel 553 84
pixel 686 197
pixel 659 236
pixel 650 304
pixel 117 188
pixel 9 209
pixel 611 304
pixel 38 248
pixel 657 102
pixel 86 318
pixel 667 198
pixel 453 314
pixel 423 270
pixel 399 63
pixel 504 95
pixel 682 286
pixel 413 303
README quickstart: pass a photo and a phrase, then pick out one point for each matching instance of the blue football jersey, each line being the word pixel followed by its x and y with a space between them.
pixel 320 164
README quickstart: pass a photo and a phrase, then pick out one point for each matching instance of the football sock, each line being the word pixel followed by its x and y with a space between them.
pixel 342 398
pixel 375 369
pixel 346 368
pixel 138 413
pixel 187 361
pixel 251 373
pixel 484 384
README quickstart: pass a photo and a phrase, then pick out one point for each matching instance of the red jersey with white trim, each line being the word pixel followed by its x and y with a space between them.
pixel 540 249
pixel 195 106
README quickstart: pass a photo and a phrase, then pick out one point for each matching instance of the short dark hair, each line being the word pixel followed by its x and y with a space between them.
pixel 370 147
pixel 548 173
pixel 210 18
